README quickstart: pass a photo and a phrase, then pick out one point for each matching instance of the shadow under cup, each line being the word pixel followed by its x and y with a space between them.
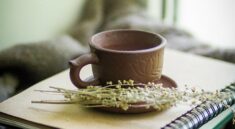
pixel 121 55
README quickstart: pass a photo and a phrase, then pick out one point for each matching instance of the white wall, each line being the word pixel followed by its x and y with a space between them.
pixel 34 20
pixel 155 9
pixel 212 21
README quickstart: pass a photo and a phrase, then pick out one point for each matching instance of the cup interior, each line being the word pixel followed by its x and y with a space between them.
pixel 126 40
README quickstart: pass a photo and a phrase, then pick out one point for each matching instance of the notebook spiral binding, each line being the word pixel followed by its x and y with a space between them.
pixel 202 113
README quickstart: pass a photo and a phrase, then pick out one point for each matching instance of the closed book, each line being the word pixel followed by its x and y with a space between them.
pixel 184 68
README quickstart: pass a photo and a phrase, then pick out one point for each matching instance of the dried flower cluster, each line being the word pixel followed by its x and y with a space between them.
pixel 125 94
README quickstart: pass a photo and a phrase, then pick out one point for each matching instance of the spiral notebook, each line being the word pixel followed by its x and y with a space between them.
pixel 202 113
pixel 192 70
pixel 192 119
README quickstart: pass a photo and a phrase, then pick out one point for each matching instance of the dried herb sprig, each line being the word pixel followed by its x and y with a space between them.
pixel 125 94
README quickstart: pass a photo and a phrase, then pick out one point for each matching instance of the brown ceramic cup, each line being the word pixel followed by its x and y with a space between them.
pixel 121 55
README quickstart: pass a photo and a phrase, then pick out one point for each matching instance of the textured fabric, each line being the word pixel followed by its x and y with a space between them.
pixel 25 64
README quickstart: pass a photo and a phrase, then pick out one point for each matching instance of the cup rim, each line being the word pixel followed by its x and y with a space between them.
pixel 161 45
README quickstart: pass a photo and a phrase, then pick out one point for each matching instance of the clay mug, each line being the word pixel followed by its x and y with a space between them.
pixel 121 55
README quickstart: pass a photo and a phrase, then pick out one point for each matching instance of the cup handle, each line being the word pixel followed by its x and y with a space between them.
pixel 76 66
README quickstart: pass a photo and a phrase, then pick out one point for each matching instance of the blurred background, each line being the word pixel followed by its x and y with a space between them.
pixel 39 37
pixel 36 20
pixel 212 21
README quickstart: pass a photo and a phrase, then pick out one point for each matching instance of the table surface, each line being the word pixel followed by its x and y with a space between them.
pixel 185 69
